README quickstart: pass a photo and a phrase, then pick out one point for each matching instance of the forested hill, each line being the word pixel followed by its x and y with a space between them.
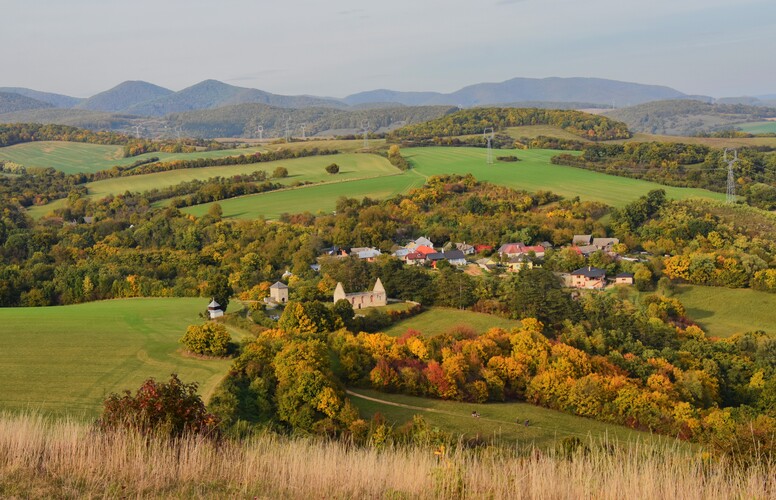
pixel 243 120
pixel 10 103
pixel 592 90
pixel 124 96
pixel 211 94
pixel 687 117
pixel 476 120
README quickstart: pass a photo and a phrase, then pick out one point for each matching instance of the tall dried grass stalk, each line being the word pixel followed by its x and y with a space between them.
pixel 43 458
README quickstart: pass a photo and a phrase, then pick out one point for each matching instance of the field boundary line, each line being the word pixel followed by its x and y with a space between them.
pixel 454 414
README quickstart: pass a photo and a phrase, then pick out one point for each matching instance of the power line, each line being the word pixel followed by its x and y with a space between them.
pixel 365 127
pixel 731 181
pixel 489 137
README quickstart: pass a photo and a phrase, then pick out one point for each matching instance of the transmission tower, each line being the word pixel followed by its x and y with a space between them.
pixel 365 127
pixel 288 128
pixel 489 136
pixel 137 131
pixel 304 129
pixel 260 132
pixel 731 180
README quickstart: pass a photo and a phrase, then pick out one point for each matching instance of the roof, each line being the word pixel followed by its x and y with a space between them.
pixel 482 248
pixel 415 256
pixel 586 249
pixel 589 272
pixel 425 250
pixel 423 241
pixel 605 242
pixel 378 286
pixel 402 252
pixel 214 305
pixel 511 248
pixel 624 275
pixel 369 253
pixel 454 255
pixel 278 284
pixel 582 239
pixel 436 256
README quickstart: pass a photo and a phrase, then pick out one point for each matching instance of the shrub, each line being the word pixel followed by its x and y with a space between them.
pixel 333 168
pixel 210 339
pixel 509 158
pixel 280 173
pixel 173 409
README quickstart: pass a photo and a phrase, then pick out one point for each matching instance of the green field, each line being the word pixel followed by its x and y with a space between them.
pixel 312 199
pixel 65 360
pixel 441 319
pixel 308 169
pixel 722 312
pixel 502 421
pixel 766 127
pixel 535 172
pixel 75 157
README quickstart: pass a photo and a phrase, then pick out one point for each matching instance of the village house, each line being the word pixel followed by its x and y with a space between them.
pixel 515 264
pixel 368 254
pixel 582 240
pixel 511 250
pixel 588 277
pixel 605 244
pixel 623 279
pixel 415 259
pixel 278 293
pixel 422 241
pixel 214 309
pixel 361 300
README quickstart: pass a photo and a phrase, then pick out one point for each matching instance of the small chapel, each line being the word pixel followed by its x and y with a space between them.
pixel 362 300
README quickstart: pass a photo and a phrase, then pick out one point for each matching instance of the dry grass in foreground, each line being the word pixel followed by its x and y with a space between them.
pixel 40 458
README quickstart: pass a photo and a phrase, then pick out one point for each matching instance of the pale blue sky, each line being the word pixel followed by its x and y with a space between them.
pixel 80 47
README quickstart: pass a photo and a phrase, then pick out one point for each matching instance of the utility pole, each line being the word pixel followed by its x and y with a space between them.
pixel 365 126
pixel 731 180
pixel 260 132
pixel 489 137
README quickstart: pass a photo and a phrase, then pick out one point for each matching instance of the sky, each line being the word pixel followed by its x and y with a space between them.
pixel 339 47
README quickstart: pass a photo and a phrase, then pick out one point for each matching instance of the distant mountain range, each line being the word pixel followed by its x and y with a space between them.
pixel 219 109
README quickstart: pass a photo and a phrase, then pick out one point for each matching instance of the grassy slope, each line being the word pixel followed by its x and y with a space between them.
pixel 439 320
pixel 758 127
pixel 533 173
pixel 722 312
pixel 504 421
pixel 311 168
pixel 312 198
pixel 74 157
pixel 536 173
pixel 65 360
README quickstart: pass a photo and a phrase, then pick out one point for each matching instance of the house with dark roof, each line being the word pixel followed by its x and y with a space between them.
pixel 214 309
pixel 623 279
pixel 588 277
pixel 455 257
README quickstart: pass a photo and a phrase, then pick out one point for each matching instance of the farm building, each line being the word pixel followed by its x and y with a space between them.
pixel 362 300
pixel 214 309
pixel 588 277
pixel 279 292
pixel 624 279
pixel 580 240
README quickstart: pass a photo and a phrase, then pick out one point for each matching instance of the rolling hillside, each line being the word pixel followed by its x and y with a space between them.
pixel 56 100
pixel 211 94
pixel 588 90
pixel 124 96
pixel 687 117
pixel 10 103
